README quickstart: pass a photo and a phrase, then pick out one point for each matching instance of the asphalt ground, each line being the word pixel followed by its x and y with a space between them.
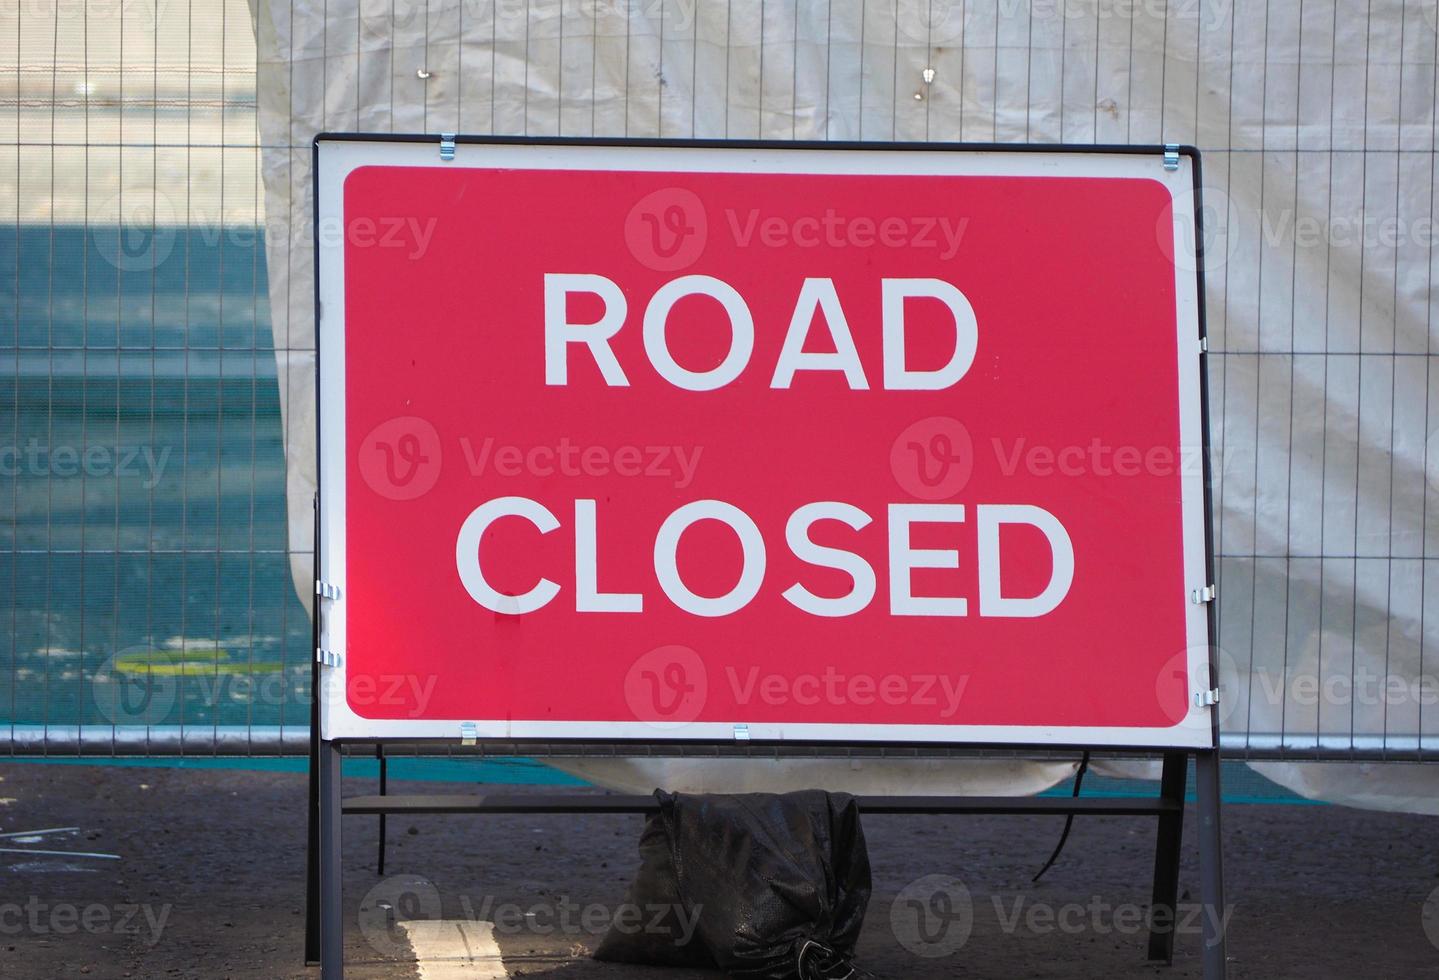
pixel 209 882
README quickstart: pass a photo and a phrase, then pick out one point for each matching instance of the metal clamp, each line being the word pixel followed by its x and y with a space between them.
pixel 447 146
pixel 1206 594
pixel 1204 345
pixel 326 657
pixel 469 733
pixel 1206 699
pixel 326 590
pixel 741 733
pixel 1171 156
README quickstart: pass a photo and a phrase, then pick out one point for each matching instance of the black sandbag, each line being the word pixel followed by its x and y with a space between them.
pixel 774 886
pixel 656 929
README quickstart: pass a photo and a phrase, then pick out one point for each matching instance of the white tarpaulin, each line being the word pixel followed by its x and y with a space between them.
pixel 1317 125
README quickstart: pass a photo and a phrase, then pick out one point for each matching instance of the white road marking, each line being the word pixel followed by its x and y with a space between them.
pixel 17 834
pixel 455 949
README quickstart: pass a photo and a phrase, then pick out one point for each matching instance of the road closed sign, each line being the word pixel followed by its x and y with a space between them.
pixel 680 441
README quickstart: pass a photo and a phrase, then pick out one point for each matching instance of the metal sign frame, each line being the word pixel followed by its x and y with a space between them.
pixel 337 156
pixel 329 736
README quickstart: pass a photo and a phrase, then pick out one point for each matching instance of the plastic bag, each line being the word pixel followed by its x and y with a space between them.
pixel 763 886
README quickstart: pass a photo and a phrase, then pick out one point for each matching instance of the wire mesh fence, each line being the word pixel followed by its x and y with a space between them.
pixel 145 573
pixel 154 396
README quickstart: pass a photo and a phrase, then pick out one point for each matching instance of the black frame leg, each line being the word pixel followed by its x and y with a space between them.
pixel 312 860
pixel 1167 848
pixel 332 919
pixel 312 853
pixel 1211 865
pixel 384 791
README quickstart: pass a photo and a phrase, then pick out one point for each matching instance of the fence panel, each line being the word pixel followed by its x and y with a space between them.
pixel 155 397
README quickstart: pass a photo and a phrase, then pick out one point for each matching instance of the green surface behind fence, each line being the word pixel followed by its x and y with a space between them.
pixel 144 578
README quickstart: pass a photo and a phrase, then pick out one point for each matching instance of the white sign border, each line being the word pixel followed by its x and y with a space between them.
pixel 336 156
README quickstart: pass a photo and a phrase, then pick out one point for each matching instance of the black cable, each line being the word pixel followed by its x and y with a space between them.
pixel 1068 821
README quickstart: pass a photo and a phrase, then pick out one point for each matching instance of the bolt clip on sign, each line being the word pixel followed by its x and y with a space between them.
pixel 685 441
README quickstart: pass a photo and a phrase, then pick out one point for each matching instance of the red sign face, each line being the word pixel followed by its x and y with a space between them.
pixel 665 450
